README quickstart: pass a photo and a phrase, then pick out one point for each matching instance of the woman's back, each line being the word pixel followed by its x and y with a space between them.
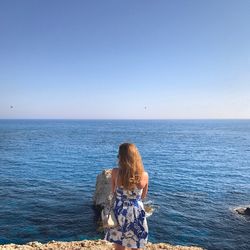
pixel 128 208
pixel 130 186
pixel 140 189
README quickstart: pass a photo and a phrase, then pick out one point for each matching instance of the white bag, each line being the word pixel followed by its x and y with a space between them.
pixel 108 218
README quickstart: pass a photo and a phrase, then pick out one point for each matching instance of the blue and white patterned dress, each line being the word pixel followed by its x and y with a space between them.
pixel 132 231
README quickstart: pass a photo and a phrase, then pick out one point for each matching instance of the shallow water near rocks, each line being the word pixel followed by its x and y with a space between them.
pixel 199 172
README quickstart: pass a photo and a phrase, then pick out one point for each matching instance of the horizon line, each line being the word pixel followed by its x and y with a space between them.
pixel 149 119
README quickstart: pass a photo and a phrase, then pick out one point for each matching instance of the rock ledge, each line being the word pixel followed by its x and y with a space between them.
pixel 86 245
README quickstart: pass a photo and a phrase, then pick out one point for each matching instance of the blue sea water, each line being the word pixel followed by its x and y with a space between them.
pixel 199 171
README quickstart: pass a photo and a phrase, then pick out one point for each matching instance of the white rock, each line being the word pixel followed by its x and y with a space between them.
pixel 103 194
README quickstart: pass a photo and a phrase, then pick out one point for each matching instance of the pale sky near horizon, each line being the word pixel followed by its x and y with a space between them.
pixel 179 59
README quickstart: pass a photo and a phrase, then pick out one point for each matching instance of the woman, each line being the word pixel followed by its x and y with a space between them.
pixel 130 185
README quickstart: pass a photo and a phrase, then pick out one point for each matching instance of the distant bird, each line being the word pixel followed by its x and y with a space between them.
pixel 145 107
pixel 11 107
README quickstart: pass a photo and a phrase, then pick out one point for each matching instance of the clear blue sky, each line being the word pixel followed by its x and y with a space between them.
pixel 125 59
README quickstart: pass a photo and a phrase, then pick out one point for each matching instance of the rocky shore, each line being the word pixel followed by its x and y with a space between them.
pixel 86 244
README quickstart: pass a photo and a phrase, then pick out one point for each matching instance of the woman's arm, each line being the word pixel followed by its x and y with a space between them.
pixel 113 179
pixel 145 189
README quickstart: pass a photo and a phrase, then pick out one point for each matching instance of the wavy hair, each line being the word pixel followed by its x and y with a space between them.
pixel 130 165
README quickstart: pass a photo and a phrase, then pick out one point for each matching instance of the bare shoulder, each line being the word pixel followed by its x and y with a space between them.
pixel 114 172
pixel 144 179
pixel 145 175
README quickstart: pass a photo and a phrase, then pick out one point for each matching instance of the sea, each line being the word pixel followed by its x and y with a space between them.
pixel 199 172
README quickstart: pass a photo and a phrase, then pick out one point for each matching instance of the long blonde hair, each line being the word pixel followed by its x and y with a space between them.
pixel 130 165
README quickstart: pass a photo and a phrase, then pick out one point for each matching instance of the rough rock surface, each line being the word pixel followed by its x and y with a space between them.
pixel 103 194
pixel 86 245
pixel 243 210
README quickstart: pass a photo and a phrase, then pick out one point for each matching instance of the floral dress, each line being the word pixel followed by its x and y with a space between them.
pixel 132 229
